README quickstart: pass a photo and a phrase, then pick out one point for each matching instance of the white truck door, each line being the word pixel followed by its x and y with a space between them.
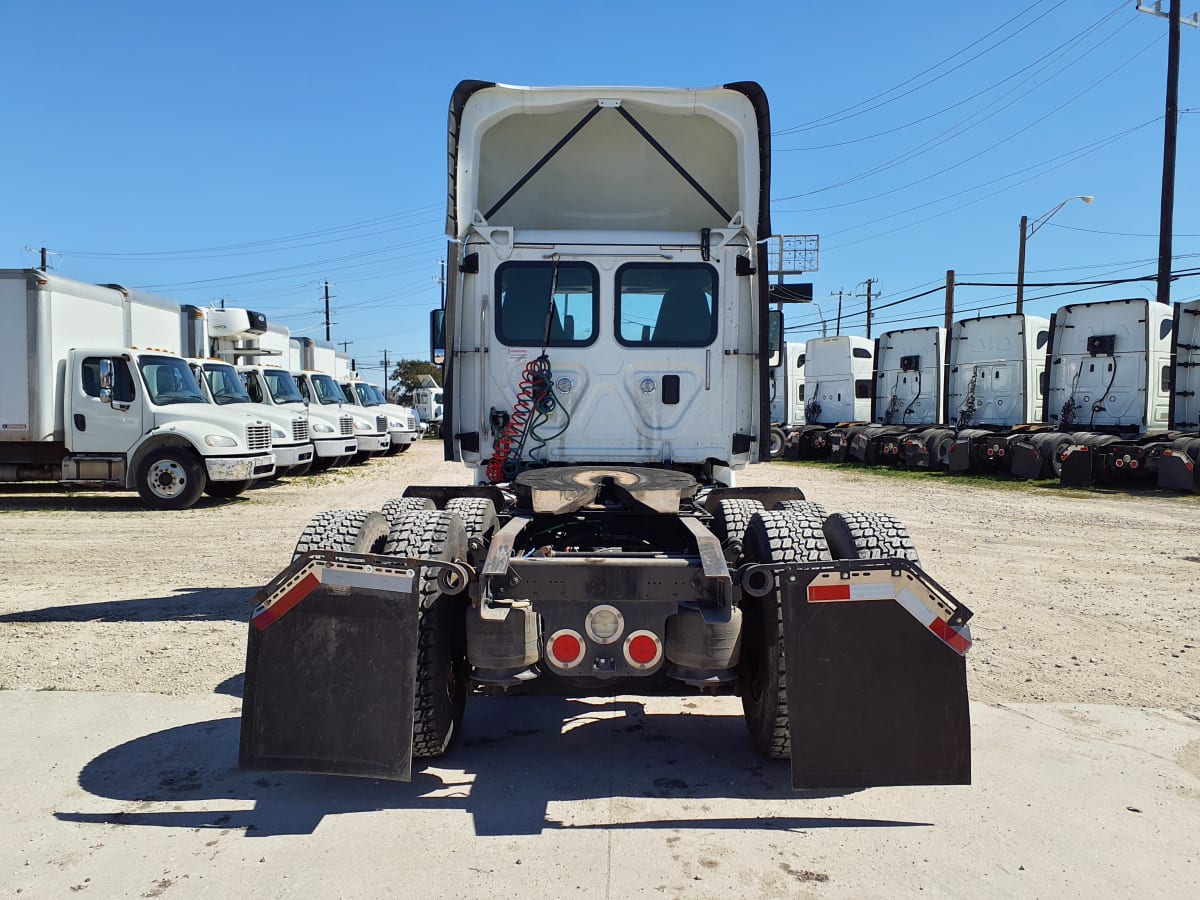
pixel 91 425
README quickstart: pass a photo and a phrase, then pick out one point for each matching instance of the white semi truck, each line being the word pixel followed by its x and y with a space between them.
pixel 608 344
pixel 907 396
pixel 94 394
pixel 787 396
pixel 838 375
pixel 1179 465
pixel 1107 398
pixel 428 404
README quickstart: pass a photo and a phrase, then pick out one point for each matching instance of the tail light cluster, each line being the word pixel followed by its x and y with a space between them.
pixel 604 626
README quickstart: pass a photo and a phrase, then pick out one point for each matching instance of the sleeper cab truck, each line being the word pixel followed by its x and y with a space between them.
pixel 83 404
pixel 608 342
pixel 1179 465
pixel 1107 396
pixel 838 375
pixel 995 384
pixel 907 397
pixel 787 397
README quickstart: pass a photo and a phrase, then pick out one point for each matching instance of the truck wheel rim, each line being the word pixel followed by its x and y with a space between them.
pixel 167 479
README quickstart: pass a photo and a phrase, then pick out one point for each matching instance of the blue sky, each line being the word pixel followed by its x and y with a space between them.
pixel 250 151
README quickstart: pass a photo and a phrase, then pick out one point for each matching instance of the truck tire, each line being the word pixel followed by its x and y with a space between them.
pixel 344 530
pixel 777 536
pixel 226 490
pixel 861 535
pixel 170 478
pixel 402 448
pixel 732 517
pixel 396 508
pixel 323 463
pixel 442 667
pixel 805 507
pixel 778 441
pixel 479 521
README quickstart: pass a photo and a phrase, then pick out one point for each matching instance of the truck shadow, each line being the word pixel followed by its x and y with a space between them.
pixel 519 755
pixel 18 498
pixel 189 605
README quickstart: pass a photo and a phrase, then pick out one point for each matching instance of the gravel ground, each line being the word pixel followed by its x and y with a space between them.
pixel 1079 596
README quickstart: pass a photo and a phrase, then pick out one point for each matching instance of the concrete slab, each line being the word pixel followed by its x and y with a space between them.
pixel 138 795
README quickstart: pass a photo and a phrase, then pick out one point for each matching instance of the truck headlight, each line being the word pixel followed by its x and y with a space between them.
pixel 322 428
pixel 362 426
pixel 278 433
pixel 219 440
pixel 395 424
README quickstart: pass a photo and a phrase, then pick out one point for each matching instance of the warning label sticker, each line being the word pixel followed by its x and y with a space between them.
pixel 9 426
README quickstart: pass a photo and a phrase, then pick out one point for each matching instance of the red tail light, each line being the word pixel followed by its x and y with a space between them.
pixel 643 649
pixel 565 648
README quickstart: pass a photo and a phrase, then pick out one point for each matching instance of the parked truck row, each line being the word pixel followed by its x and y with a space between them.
pixel 1102 392
pixel 107 387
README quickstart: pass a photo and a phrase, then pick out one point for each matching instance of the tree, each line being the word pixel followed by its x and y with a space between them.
pixel 407 376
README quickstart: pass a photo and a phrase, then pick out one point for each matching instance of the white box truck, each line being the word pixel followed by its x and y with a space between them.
pixel 83 403
pixel 315 378
pixel 401 423
pixel 223 385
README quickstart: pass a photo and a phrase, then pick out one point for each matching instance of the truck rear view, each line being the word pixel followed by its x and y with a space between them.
pixel 607 353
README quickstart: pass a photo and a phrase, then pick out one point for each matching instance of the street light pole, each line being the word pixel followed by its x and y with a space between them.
pixel 1028 230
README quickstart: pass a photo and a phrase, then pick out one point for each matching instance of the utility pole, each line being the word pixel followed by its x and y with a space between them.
pixel 1166 220
pixel 949 300
pixel 838 328
pixel 442 282
pixel 386 372
pixel 327 309
pixel 1021 265
pixel 345 345
pixel 44 253
pixel 870 283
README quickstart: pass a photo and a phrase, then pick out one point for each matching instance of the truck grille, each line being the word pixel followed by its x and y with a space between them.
pixel 299 429
pixel 412 423
pixel 381 423
pixel 347 425
pixel 258 437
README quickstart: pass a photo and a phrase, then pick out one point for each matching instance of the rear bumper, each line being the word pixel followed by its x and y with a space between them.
pixel 240 468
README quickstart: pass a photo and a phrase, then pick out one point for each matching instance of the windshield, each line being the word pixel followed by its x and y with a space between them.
pixel 225 384
pixel 377 394
pixel 169 380
pixel 363 391
pixel 282 386
pixel 327 390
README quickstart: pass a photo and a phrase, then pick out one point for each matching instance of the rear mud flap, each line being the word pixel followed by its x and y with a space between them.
pixel 1078 466
pixel 876 678
pixel 331 668
pixel 1026 461
pixel 1177 472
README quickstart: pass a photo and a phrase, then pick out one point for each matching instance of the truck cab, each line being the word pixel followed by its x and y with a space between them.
pixel 223 385
pixel 370 430
pixel 332 432
pixel 401 423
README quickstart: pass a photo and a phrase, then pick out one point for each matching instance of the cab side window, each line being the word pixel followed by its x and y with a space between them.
pixel 122 382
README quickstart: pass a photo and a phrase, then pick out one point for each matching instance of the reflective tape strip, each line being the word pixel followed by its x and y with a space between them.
pixel 272 610
pixel 958 640
pixel 845 592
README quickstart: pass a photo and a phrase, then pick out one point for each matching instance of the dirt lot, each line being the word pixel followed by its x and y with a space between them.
pixel 1085 597
pixel 122 636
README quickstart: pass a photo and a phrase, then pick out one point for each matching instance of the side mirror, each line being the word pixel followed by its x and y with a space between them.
pixel 106 381
pixel 437 336
pixel 774 336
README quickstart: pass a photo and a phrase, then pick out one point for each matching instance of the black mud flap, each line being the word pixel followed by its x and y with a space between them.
pixel 1078 466
pixel 876 678
pixel 1026 460
pixel 959 457
pixel 331 668
pixel 1178 472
